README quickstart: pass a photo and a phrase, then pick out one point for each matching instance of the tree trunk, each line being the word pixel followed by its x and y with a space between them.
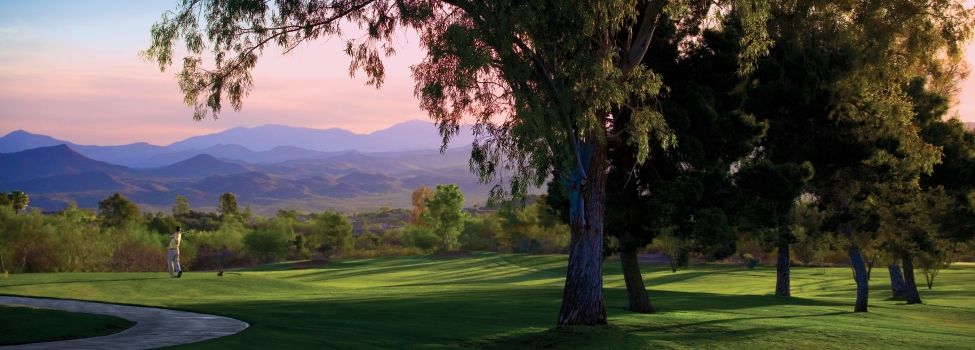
pixel 859 271
pixel 636 292
pixel 582 298
pixel 913 297
pixel 869 268
pixel 897 286
pixel 782 270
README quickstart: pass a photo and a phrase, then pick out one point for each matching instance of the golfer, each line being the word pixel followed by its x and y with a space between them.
pixel 172 260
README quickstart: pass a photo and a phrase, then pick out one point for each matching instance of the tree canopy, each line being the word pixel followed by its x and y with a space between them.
pixel 538 80
pixel 116 211
pixel 445 213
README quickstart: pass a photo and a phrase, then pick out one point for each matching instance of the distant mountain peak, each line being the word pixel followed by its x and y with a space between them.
pixel 409 135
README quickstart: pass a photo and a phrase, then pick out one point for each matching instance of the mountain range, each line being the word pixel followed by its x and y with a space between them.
pixel 56 176
pixel 263 144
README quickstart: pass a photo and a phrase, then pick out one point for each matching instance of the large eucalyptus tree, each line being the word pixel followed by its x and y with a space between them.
pixel 538 80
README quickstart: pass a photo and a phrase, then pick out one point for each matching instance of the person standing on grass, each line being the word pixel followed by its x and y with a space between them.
pixel 172 260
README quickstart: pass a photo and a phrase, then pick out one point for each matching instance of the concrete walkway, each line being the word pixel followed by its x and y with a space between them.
pixel 154 327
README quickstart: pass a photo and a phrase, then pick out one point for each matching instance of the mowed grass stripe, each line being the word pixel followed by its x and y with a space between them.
pixel 507 301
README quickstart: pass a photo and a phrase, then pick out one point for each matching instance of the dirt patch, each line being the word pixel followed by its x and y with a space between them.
pixel 451 255
pixel 310 264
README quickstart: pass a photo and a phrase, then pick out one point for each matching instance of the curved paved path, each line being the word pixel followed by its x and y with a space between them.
pixel 154 327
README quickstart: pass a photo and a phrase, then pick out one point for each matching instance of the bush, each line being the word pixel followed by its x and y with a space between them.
pixel 133 257
pixel 268 246
pixel 421 237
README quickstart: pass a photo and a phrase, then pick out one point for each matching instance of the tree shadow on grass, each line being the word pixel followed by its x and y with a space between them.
pixel 509 317
pixel 2 286
pixel 490 269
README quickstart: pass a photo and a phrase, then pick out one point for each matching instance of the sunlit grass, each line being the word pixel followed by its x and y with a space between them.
pixel 511 301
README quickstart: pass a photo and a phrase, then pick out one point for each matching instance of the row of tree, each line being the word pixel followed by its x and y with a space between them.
pixel 119 237
pixel 859 134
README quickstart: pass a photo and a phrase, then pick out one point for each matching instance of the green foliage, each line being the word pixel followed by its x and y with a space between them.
pixel 161 223
pixel 332 233
pixel 228 205
pixel 23 234
pixel 674 248
pixel 78 243
pixel 444 213
pixel 199 221
pixel 481 233
pixel 810 242
pixel 366 241
pixel 533 229
pixel 18 200
pixel 117 211
pixel 5 200
pixel 421 237
pixel 182 206
pixel 267 245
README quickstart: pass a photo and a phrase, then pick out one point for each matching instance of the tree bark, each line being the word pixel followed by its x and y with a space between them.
pixel 859 271
pixel 782 269
pixel 897 286
pixel 910 287
pixel 582 298
pixel 636 291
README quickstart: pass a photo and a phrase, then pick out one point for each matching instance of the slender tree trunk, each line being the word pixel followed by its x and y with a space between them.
pixel 859 271
pixel 897 286
pixel 910 287
pixel 636 292
pixel 869 268
pixel 582 299
pixel 856 262
pixel 782 279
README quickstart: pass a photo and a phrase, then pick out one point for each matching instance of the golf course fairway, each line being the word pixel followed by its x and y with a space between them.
pixel 510 301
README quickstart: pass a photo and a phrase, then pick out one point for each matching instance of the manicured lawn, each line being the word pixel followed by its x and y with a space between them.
pixel 21 325
pixel 511 301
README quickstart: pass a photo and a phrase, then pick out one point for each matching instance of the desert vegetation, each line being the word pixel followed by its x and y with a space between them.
pixel 119 237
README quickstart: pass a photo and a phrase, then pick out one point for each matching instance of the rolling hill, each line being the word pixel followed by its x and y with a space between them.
pixel 351 181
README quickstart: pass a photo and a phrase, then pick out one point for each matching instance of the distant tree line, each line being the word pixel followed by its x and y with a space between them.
pixel 119 237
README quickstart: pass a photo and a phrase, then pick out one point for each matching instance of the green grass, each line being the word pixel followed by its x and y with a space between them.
pixel 512 301
pixel 22 325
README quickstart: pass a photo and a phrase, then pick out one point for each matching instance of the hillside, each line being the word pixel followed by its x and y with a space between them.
pixel 350 181
pixel 51 161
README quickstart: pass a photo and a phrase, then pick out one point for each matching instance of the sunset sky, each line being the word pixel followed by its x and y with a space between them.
pixel 69 69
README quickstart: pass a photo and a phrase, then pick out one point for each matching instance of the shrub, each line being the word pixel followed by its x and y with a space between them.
pixel 421 237
pixel 268 246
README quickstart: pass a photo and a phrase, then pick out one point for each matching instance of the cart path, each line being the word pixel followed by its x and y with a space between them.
pixel 154 327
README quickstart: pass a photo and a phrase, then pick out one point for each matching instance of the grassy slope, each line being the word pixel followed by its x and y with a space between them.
pixel 21 325
pixel 504 301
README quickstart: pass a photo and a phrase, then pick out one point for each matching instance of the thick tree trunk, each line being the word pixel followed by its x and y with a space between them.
pixel 582 298
pixel 910 287
pixel 636 292
pixel 897 286
pixel 859 271
pixel 782 269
